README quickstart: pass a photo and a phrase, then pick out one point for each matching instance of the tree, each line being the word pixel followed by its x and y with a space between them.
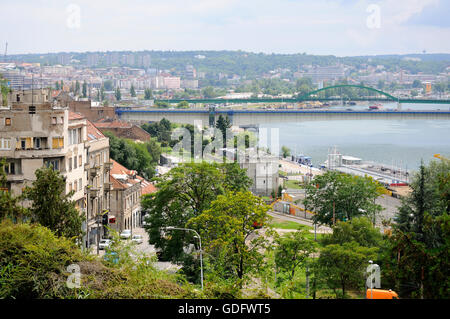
pixel 51 206
pixel 236 178
pixel 77 88
pixel 132 91
pixel 183 105
pixel 148 95
pixel 184 192
pixel 286 151
pixel 359 230
pixel 292 250
pixel 208 92
pixel 223 124
pixel 84 90
pixel 118 94
pixel 417 84
pixel 108 85
pixel 9 204
pixel 343 266
pixel 335 196
pixel 417 259
pixel 57 85
pixel 228 233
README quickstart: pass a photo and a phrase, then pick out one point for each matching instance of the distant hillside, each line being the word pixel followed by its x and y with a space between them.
pixel 249 64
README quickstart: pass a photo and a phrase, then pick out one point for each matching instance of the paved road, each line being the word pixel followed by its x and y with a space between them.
pixel 146 248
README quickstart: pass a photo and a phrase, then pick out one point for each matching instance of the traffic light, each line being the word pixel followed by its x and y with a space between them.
pixel 105 217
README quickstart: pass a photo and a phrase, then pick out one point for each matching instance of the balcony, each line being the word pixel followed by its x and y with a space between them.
pixel 108 165
pixel 94 171
pixel 93 192
pixel 107 187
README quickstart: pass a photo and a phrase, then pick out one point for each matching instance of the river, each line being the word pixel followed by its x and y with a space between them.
pixel 403 143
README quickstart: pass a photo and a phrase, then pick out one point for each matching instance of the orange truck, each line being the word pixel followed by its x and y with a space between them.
pixel 381 294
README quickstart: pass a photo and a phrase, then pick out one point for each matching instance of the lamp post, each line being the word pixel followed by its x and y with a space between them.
pixel 200 242
pixel 371 282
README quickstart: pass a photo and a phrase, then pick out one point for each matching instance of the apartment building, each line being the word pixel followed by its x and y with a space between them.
pixel 36 131
pixel 98 187
pixel 127 189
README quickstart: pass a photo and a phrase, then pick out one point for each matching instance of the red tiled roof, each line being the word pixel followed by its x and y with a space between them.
pixel 75 116
pixel 93 133
pixel 118 169
pixel 115 124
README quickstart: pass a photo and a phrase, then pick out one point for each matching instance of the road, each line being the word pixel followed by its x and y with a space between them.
pixel 146 248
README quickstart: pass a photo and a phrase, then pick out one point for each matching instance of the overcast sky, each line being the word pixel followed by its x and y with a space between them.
pixel 335 27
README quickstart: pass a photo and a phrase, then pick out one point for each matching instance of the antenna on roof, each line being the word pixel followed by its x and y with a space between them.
pixel 6 51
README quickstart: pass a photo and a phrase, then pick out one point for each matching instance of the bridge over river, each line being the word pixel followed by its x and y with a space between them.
pixel 256 117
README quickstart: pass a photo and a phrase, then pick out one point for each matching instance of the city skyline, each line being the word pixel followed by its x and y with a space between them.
pixel 342 28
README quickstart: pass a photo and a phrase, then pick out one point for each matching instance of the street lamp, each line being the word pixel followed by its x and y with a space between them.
pixel 200 241
pixel 371 282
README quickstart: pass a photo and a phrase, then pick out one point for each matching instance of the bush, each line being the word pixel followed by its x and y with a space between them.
pixel 33 262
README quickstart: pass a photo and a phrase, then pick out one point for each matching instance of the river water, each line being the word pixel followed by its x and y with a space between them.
pixel 402 143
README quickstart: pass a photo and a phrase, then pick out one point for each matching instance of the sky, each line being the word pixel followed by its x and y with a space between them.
pixel 322 27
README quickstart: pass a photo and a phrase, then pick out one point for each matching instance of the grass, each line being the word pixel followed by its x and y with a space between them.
pixel 288 225
pixel 292 184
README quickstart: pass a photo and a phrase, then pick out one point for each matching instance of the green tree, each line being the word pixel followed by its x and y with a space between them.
pixel 77 88
pixel 9 204
pixel 335 196
pixel 286 151
pixel 417 258
pixel 228 233
pixel 84 89
pixel 51 206
pixel 209 92
pixel 236 178
pixel 184 192
pixel 183 105
pixel 292 251
pixel 359 230
pixel 57 87
pixel 108 85
pixel 117 94
pixel 132 91
pixel 343 266
pixel 148 95
pixel 223 124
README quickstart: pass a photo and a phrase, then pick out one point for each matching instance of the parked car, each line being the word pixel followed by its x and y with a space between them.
pixel 137 239
pixel 125 234
pixel 104 243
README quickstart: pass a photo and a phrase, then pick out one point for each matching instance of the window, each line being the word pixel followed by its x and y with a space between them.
pixel 75 162
pixel 58 142
pixel 70 164
pixel 75 186
pixel 80 160
pixel 80 184
pixel 23 144
pixel 53 163
pixel 54 120
pixel 7 121
pixel 70 187
pixel 10 168
pixel 37 142
pixel 5 144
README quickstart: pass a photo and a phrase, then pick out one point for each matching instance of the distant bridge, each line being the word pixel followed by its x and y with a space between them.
pixel 312 96
pixel 256 117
